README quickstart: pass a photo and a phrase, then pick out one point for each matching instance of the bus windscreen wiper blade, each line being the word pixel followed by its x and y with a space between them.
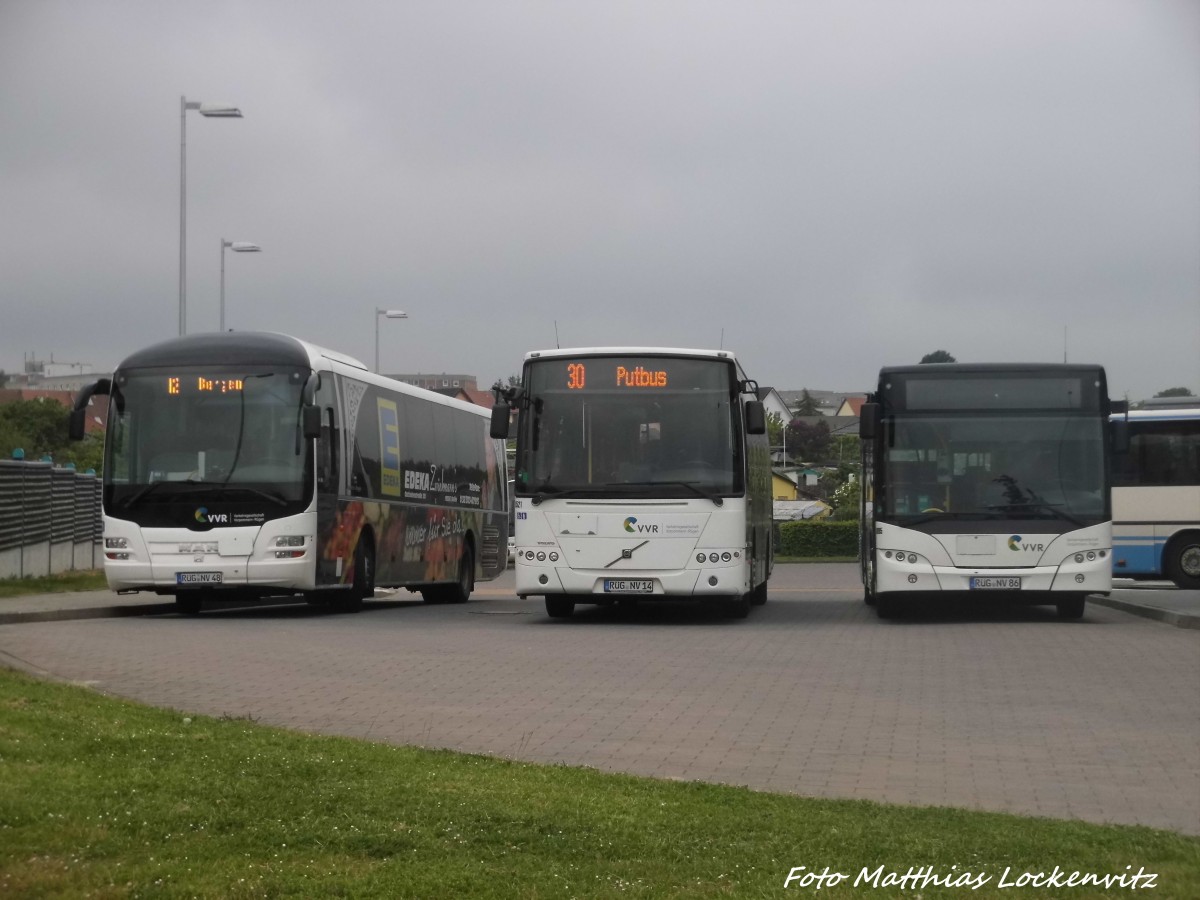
pixel 689 485
pixel 1051 508
pixel 181 487
pixel 273 496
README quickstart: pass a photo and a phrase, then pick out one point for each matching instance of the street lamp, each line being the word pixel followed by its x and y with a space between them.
pixel 384 314
pixel 236 247
pixel 212 110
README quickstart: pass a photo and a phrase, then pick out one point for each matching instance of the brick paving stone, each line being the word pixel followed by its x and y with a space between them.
pixel 996 709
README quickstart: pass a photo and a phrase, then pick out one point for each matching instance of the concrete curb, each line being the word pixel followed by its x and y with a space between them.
pixel 91 612
pixel 1178 619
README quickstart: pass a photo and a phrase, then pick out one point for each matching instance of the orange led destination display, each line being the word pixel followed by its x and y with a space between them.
pixel 202 385
pixel 618 376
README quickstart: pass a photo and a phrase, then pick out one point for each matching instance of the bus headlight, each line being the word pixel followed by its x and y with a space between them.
pixel 116 543
pixel 290 540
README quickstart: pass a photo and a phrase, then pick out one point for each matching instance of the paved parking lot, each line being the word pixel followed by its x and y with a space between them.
pixel 995 709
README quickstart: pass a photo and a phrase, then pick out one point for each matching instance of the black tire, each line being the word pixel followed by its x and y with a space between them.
pixel 560 606
pixel 364 579
pixel 460 591
pixel 1071 608
pixel 432 595
pixel 188 603
pixel 1182 560
pixel 758 596
pixel 738 607
pixel 869 596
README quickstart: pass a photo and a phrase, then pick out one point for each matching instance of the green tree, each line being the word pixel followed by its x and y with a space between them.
pixel 3 378
pixel 844 500
pixel 938 356
pixel 809 442
pixel 774 429
pixel 807 406
pixel 1174 392
pixel 39 427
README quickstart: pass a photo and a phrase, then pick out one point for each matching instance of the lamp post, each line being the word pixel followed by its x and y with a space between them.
pixel 384 314
pixel 212 110
pixel 236 247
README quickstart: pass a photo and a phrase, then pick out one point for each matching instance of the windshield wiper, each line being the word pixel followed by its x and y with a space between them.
pixel 273 496
pixel 188 487
pixel 1051 508
pixel 546 490
pixel 690 485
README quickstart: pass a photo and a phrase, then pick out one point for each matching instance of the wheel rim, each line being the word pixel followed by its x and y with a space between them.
pixel 1189 561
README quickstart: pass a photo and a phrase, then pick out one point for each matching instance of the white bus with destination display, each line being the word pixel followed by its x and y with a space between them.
pixel 242 465
pixel 986 479
pixel 640 474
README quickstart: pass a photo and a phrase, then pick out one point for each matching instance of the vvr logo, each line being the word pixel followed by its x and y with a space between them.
pixel 632 526
pixel 1014 543
pixel 203 517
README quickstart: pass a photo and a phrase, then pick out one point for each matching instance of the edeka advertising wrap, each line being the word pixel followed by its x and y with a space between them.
pixel 413 543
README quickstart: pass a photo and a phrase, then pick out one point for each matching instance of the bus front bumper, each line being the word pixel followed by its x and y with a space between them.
pixel 1090 576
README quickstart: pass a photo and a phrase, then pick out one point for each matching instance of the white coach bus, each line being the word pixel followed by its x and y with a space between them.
pixel 640 474
pixel 240 465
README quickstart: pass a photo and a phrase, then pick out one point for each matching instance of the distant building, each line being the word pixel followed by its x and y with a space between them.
pixel 773 402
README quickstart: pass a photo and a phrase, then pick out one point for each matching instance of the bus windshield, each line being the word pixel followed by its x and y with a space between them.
pixel 194 433
pixel 626 426
pixel 996 466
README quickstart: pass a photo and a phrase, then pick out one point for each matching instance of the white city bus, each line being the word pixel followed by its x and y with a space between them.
pixel 1156 493
pixel 641 473
pixel 240 465
pixel 986 480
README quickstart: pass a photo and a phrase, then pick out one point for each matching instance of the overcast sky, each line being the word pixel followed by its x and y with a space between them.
pixel 823 187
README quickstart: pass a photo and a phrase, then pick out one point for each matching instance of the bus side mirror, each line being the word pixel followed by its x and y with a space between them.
pixel 868 421
pixel 77 424
pixel 1119 436
pixel 310 421
pixel 756 417
pixel 500 415
pixel 77 421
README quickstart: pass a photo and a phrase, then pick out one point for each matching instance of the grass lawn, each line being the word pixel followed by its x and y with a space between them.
pixel 106 798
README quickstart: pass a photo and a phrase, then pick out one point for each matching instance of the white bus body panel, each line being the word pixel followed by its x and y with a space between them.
pixel 578 544
pixel 244 555
pixel 947 562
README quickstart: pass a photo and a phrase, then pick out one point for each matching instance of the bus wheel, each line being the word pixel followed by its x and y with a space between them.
pixel 1183 560
pixel 1071 607
pixel 460 591
pixel 189 602
pixel 560 607
pixel 364 579
pixel 758 596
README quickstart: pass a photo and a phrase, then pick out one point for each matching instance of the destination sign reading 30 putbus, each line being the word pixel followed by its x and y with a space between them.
pixel 608 374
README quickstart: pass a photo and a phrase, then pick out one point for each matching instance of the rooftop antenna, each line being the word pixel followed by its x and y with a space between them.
pixel 1064 343
pixel 722 346
pixel 557 345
